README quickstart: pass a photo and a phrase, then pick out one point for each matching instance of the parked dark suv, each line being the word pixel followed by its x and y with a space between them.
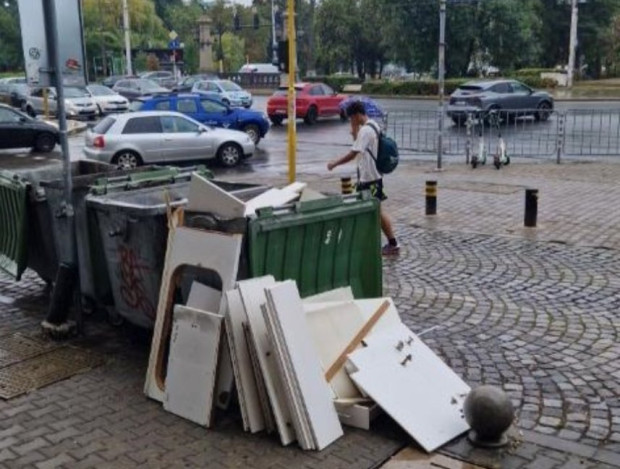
pixel 510 98
pixel 134 88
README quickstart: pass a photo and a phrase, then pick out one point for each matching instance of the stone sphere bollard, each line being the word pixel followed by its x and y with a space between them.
pixel 489 412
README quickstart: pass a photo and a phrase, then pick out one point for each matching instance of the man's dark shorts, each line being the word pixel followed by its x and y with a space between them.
pixel 375 188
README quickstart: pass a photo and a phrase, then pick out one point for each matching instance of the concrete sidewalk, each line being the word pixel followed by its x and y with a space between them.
pixel 534 311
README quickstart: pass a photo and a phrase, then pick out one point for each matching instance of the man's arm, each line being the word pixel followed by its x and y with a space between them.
pixel 345 159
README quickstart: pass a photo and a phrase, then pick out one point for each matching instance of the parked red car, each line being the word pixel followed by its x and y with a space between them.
pixel 313 100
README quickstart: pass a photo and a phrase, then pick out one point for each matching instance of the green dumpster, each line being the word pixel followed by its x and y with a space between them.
pixel 13 224
pixel 321 244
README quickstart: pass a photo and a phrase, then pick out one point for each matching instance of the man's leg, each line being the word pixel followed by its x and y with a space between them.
pixel 386 225
pixel 391 248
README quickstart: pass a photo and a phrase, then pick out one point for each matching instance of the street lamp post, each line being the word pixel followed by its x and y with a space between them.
pixel 127 37
pixel 441 78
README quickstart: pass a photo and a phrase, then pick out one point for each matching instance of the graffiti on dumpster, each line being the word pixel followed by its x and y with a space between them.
pixel 132 282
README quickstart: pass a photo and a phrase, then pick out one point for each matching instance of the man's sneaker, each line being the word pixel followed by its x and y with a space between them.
pixel 389 250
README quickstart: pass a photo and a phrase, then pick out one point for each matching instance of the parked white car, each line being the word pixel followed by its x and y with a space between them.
pixel 78 103
pixel 107 101
pixel 230 93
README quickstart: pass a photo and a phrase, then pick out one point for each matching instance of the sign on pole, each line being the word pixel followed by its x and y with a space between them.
pixel 70 42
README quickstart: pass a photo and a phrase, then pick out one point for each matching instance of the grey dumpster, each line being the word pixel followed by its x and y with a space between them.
pixel 94 283
pixel 133 233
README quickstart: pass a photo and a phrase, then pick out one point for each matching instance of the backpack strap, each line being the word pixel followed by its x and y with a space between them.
pixel 373 127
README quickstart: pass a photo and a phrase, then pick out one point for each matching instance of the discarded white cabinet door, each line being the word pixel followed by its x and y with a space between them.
pixel 412 384
pixel 301 358
pixel 192 364
pixel 253 296
pixel 249 400
pixel 333 325
pixel 206 197
pixel 214 251
pixel 205 298
pixel 338 294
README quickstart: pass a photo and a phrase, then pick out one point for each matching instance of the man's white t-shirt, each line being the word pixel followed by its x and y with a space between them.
pixel 367 140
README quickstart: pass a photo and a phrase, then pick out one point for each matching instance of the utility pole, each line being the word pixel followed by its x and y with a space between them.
pixel 56 320
pixel 274 40
pixel 104 65
pixel 441 78
pixel 292 111
pixel 127 37
pixel 574 18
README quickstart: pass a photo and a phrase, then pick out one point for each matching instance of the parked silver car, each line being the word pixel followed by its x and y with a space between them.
pixel 107 101
pixel 137 138
pixel 507 98
pixel 78 103
pixel 230 93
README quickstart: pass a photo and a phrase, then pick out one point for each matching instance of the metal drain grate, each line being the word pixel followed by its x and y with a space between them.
pixel 44 369
pixel 18 347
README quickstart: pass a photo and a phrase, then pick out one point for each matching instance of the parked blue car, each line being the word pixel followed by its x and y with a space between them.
pixel 209 111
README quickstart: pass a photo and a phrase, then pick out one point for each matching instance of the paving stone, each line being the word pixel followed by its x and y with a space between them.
pixel 56 462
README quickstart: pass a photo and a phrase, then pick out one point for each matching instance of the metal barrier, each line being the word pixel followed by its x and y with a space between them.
pixel 254 80
pixel 592 133
pixel 13 224
pixel 526 133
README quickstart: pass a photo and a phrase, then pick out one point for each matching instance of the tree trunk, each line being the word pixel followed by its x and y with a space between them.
pixel 310 62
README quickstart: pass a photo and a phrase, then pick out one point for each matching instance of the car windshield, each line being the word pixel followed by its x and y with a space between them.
pixel 470 87
pixel 21 88
pixel 283 91
pixel 148 85
pixel 72 92
pixel 98 90
pixel 230 86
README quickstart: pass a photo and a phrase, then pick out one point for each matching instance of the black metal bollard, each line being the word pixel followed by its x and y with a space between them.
pixel 431 197
pixel 346 186
pixel 531 207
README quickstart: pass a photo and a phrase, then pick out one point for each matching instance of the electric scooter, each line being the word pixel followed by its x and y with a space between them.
pixel 500 158
pixel 481 156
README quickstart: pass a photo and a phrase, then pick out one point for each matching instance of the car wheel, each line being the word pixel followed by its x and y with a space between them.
pixel 459 121
pixel 543 111
pixel 311 115
pixel 127 159
pixel 225 101
pixel 229 154
pixel 276 120
pixel 253 132
pixel 45 142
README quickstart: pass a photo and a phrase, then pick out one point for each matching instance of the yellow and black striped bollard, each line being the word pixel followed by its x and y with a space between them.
pixel 346 186
pixel 431 197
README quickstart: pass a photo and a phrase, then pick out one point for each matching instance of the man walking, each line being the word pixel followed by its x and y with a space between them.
pixel 365 149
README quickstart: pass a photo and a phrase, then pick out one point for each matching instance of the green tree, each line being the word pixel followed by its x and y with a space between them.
pixel 233 47
pixel 11 57
pixel 103 26
pixel 509 32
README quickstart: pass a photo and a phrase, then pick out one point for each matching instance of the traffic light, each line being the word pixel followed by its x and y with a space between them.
pixel 236 21
pixel 283 56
